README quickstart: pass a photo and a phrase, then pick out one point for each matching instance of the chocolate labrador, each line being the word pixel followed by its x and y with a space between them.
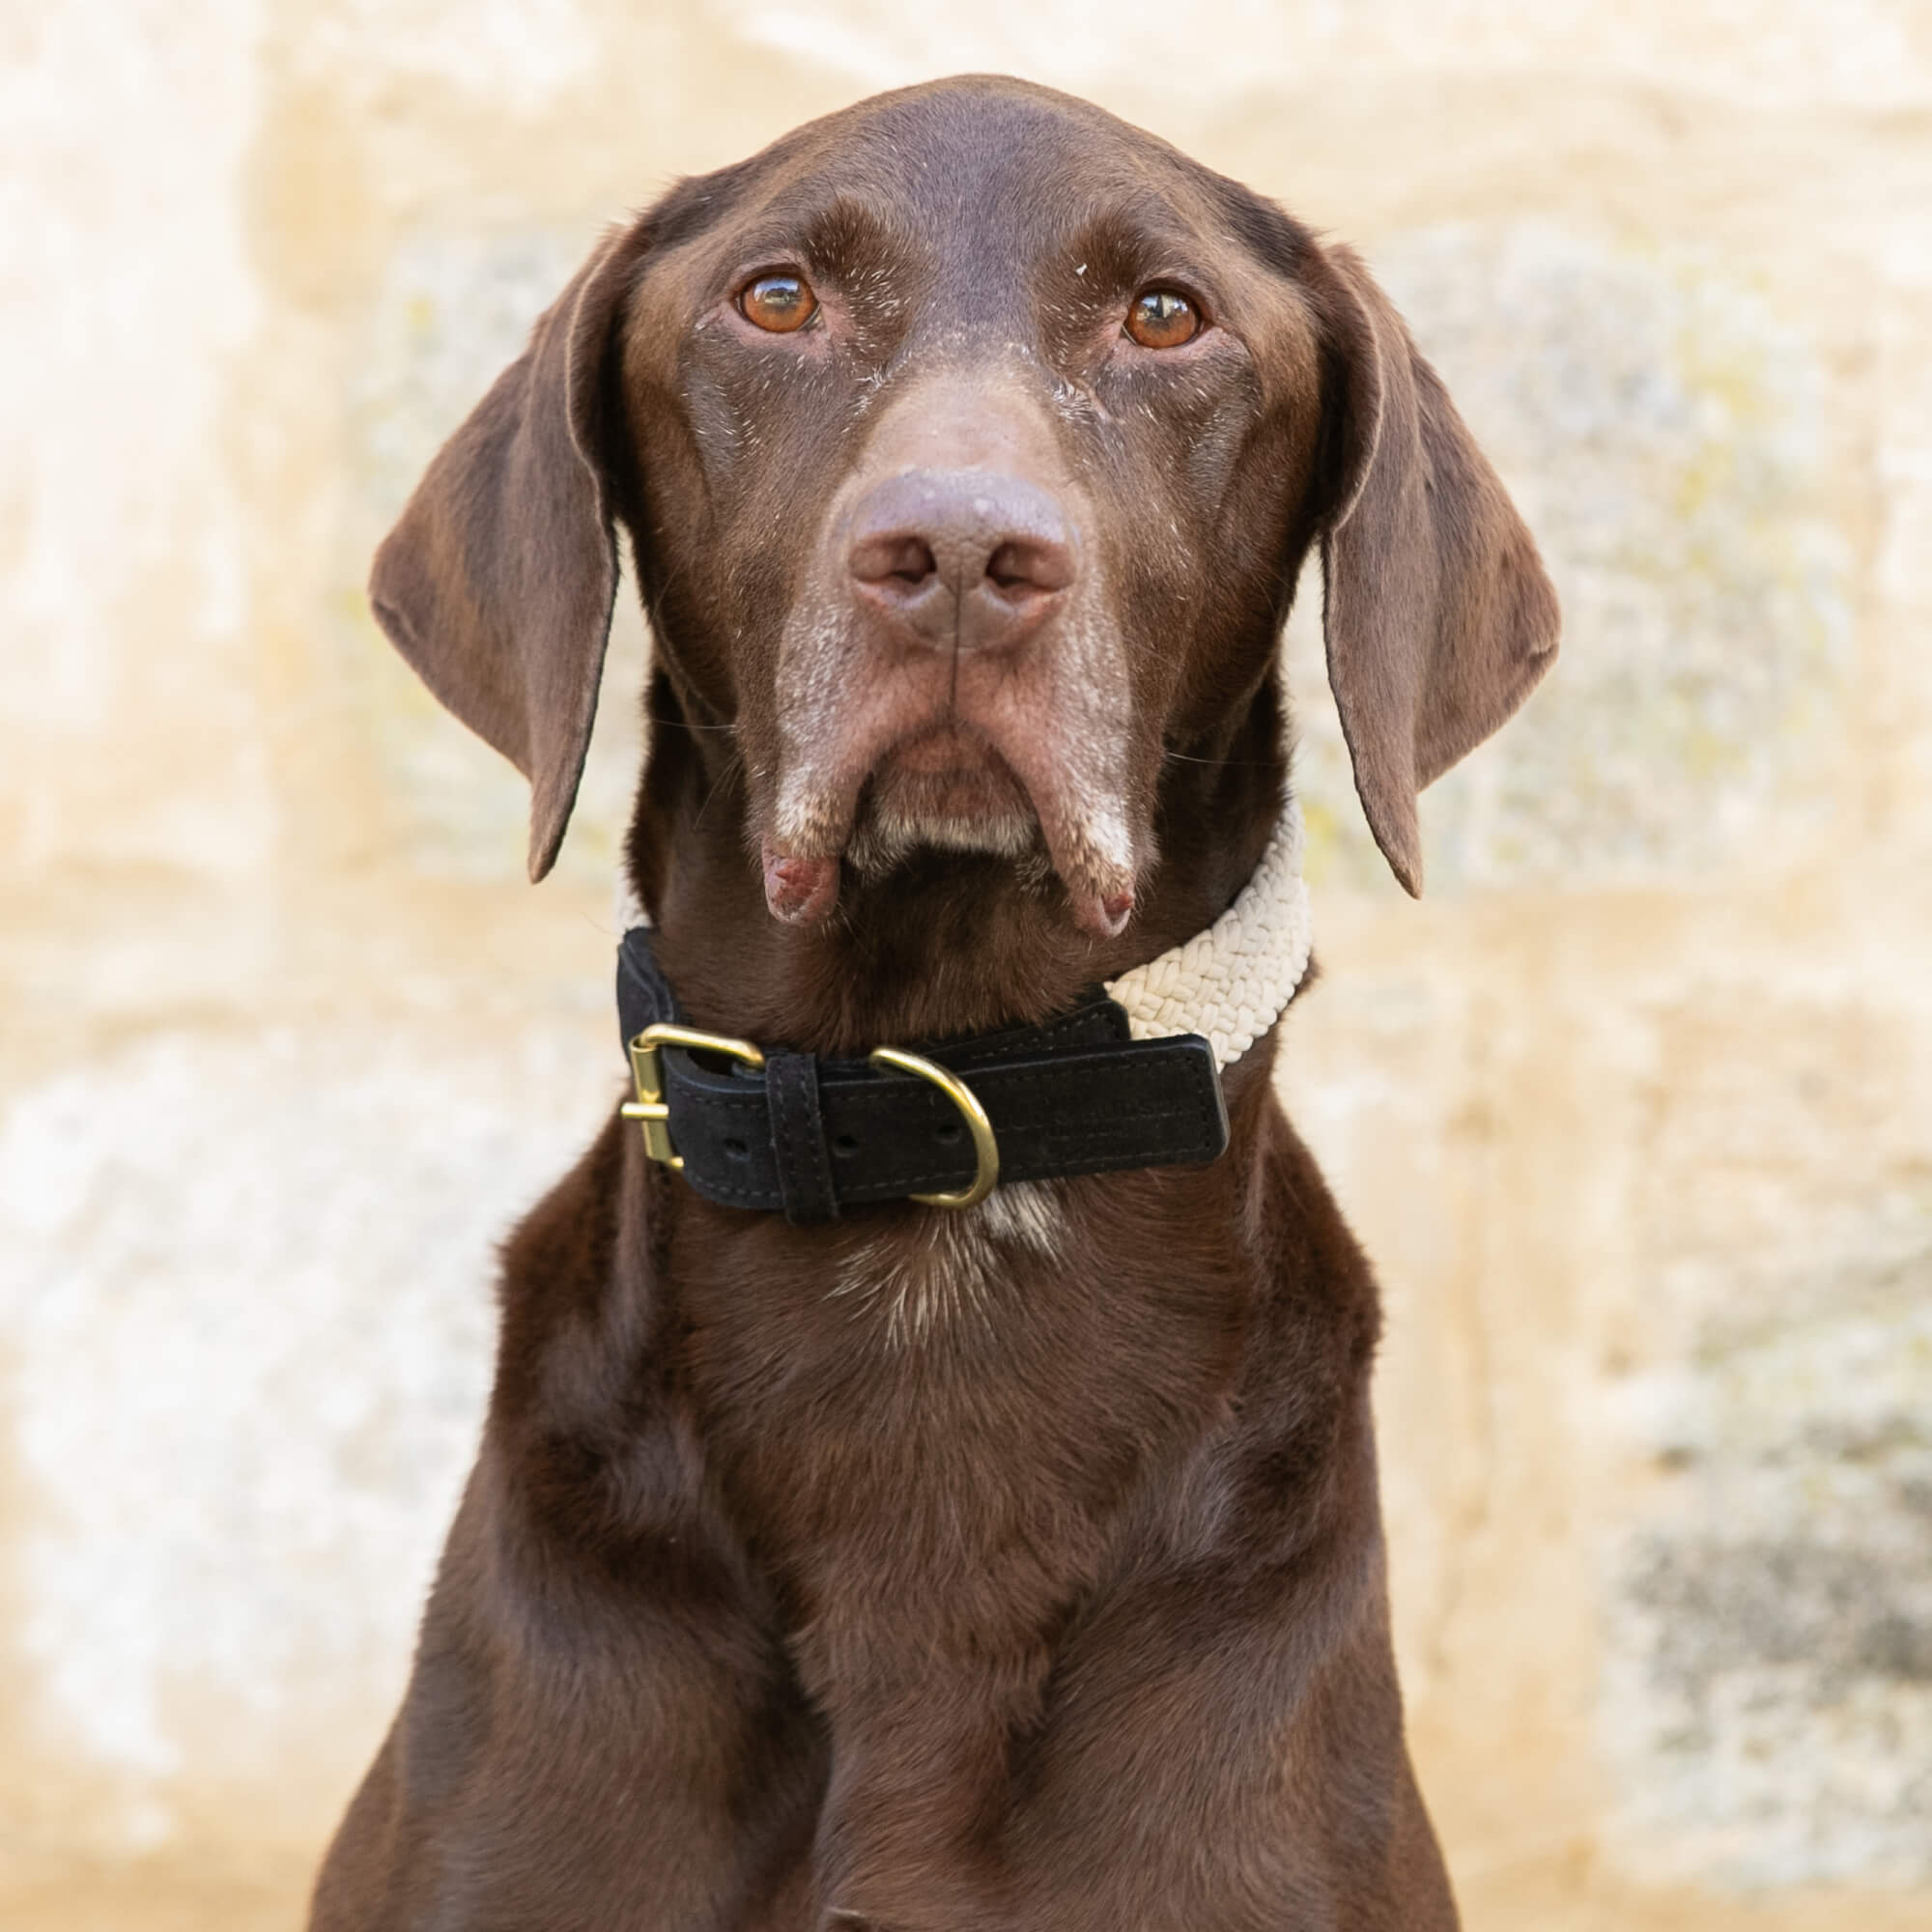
pixel 929 1481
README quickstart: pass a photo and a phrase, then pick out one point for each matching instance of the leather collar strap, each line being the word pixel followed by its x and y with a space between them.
pixel 806 1136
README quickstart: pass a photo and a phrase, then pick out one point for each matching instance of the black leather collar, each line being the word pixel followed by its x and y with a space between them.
pixel 808 1137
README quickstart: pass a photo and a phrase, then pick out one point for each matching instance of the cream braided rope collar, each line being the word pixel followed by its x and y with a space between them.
pixel 1233 982
pixel 1228 983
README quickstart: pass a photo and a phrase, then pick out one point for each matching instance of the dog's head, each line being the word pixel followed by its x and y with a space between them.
pixel 971 443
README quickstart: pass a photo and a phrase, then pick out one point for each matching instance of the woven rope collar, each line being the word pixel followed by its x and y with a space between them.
pixel 1233 982
pixel 1229 982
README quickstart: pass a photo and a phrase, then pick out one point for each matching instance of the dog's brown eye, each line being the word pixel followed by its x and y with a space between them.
pixel 1163 319
pixel 779 304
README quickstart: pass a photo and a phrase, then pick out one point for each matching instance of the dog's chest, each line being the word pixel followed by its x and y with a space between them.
pixel 940 1421
pixel 917 1287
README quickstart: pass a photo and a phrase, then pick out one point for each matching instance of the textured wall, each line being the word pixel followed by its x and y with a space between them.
pixel 1635 1110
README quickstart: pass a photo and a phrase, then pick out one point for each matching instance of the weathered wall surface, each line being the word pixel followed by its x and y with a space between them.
pixel 1635 1110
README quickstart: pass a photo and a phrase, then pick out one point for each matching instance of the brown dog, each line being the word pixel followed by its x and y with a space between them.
pixel 969 443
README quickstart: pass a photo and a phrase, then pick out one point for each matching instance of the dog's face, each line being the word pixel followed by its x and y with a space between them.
pixel 967 397
pixel 971 442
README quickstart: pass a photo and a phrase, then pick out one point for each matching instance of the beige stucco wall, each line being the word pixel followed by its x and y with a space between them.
pixel 1635 1110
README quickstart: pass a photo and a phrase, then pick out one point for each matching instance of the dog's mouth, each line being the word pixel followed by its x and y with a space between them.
pixel 1009 778
pixel 946 787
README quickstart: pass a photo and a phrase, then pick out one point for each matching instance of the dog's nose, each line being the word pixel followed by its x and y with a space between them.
pixel 965 558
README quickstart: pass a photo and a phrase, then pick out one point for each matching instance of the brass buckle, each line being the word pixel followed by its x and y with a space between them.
pixel 648 1109
pixel 985 1149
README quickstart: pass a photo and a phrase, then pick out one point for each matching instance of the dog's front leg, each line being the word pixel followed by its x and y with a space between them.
pixel 1224 1750
pixel 603 1731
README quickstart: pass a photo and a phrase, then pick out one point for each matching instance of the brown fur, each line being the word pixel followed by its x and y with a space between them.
pixel 1069 1611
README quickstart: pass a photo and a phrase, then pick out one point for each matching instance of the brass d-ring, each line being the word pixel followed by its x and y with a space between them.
pixel 985 1149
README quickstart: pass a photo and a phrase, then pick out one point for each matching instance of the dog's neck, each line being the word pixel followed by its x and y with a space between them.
pixel 1229 983
pixel 948 943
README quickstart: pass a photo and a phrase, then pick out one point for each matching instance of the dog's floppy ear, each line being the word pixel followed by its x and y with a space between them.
pixel 498 581
pixel 1438 616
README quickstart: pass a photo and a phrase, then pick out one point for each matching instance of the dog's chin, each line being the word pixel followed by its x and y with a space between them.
pixel 948 789
pixel 921 803
pixel 885 842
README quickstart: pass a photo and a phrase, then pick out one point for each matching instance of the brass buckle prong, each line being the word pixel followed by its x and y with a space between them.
pixel 985 1149
pixel 649 1109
